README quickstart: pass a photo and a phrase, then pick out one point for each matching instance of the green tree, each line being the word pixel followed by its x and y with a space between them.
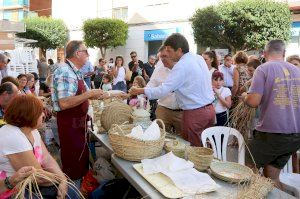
pixel 49 33
pixel 243 24
pixel 105 33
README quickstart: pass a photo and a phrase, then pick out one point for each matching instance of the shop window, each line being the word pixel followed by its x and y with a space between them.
pixel 153 47
pixel 120 13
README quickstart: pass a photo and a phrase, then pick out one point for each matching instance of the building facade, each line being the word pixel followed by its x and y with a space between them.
pixel 150 22
pixel 12 12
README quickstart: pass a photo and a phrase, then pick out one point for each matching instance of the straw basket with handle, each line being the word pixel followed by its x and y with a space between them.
pixel 200 156
pixel 133 149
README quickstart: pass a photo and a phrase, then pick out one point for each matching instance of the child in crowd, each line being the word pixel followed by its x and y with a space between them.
pixel 135 101
pixel 106 83
pixel 222 101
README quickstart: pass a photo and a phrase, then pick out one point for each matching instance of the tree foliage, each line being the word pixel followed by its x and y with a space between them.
pixel 105 33
pixel 243 24
pixel 50 33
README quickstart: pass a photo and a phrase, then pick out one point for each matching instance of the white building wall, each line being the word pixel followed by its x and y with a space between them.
pixel 142 15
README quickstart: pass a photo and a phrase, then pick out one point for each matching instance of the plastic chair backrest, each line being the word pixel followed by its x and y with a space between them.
pixel 215 134
pixel 288 168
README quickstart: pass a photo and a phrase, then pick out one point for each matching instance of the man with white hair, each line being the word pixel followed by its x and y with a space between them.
pixel 3 63
pixel 70 100
pixel 275 88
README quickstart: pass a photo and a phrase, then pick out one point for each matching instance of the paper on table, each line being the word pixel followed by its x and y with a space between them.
pixel 167 162
pixel 192 181
pixel 151 133
pixel 181 172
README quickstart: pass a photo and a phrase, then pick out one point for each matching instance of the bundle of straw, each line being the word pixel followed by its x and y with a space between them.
pixel 257 188
pixel 241 119
pixel 30 184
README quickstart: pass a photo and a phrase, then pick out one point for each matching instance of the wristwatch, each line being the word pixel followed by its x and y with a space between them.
pixel 7 183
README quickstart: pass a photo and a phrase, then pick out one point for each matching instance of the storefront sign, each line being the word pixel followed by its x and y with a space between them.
pixel 295 29
pixel 159 34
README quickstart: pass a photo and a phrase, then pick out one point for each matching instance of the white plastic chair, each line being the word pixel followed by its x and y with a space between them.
pixel 214 135
pixel 290 181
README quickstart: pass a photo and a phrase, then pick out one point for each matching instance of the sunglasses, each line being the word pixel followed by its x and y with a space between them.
pixel 134 56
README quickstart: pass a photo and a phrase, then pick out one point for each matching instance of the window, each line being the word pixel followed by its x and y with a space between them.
pixel 120 13
pixel 15 2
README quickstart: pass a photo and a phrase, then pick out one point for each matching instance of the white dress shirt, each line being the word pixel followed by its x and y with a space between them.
pixel 159 75
pixel 228 74
pixel 190 79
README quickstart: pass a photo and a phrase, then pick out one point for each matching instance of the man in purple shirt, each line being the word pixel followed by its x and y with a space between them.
pixel 276 89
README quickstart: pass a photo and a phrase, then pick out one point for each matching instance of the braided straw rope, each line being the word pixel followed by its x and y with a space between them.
pixel 133 149
pixel 257 188
pixel 115 112
pixel 200 156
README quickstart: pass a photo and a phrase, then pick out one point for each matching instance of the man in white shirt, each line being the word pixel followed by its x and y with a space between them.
pixel 168 109
pixel 190 80
pixel 227 70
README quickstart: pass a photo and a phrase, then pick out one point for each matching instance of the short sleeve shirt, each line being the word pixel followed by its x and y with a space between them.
pixel 14 141
pixel 279 84
pixel 224 92
pixel 65 83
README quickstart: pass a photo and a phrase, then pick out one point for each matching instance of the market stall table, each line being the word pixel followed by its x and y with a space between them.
pixel 148 191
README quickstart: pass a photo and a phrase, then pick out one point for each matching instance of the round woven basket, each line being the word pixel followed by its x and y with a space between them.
pixel 133 149
pixel 200 156
pixel 231 171
pixel 177 147
pixel 115 112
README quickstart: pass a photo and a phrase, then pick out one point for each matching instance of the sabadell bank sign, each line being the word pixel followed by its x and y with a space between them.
pixel 159 34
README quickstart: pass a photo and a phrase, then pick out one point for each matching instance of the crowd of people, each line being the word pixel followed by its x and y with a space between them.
pixel 189 92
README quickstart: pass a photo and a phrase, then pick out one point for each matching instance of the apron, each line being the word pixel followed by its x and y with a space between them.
pixel 73 137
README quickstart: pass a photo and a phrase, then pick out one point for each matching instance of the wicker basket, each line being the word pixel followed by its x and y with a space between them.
pixel 115 112
pixel 133 149
pixel 231 171
pixel 200 156
pixel 177 147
